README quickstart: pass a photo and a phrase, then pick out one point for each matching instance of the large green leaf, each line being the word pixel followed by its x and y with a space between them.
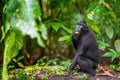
pixel 67 29
pixel 117 45
pixel 109 32
pixel 111 53
pixel 64 38
pixel 35 7
pixel 94 11
pixel 56 25
pixel 108 54
pixel 44 31
pixel 40 41
pixel 5 29
pixel 96 29
pixel 23 17
pixel 13 43
pixel 90 15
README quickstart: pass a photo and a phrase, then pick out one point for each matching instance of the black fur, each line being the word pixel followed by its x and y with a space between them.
pixel 86 49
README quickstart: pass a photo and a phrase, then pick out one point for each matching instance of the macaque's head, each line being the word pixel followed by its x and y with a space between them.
pixel 81 27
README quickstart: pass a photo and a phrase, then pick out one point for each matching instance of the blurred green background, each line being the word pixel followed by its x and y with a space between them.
pixel 32 29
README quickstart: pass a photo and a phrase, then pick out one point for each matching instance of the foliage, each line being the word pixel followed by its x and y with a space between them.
pixel 17 60
pixel 119 76
pixel 52 62
pixel 1 70
pixel 84 76
pixel 58 69
pixel 50 21
pixel 104 14
pixel 117 46
pixel 16 25
pixel 112 53
pixel 41 62
pixel 11 50
pixel 115 67
pixel 65 63
pixel 19 76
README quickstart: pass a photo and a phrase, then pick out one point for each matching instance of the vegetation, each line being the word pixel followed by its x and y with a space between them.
pixel 32 29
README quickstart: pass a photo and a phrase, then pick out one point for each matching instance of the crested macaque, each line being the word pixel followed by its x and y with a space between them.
pixel 87 52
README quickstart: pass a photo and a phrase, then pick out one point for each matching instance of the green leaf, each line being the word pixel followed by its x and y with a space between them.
pixel 24 22
pixel 45 1
pixel 22 17
pixel 118 54
pixel 19 58
pixel 91 7
pixel 112 50
pixel 20 64
pixel 56 25
pixel 118 76
pixel 102 44
pixel 40 41
pixel 96 29
pixel 13 43
pixel 97 10
pixel 35 7
pixel 44 31
pixel 112 54
pixel 67 29
pixel 117 45
pixel 108 54
pixel 64 38
pixel 84 76
pixel 90 15
pixel 109 32
pixel 5 29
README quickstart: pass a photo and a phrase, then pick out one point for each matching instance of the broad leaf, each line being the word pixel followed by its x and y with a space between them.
pixel 5 29
pixel 22 17
pixel 109 54
pixel 117 45
pixel 113 15
pixel 67 29
pixel 109 32
pixel 112 51
pixel 96 29
pixel 56 25
pixel 44 31
pixel 13 43
pixel 45 1
pixel 40 41
pixel 64 38
pixel 106 5
pixel 90 15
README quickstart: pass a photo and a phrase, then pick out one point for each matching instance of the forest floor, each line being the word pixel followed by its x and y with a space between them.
pixel 104 72
pixel 42 74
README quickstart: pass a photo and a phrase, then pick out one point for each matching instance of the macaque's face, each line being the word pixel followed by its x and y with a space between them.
pixel 80 27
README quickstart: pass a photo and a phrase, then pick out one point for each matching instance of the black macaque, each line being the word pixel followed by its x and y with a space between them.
pixel 87 52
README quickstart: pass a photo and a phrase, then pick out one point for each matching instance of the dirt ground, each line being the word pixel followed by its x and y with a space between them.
pixel 77 77
pixel 98 76
pixel 105 73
